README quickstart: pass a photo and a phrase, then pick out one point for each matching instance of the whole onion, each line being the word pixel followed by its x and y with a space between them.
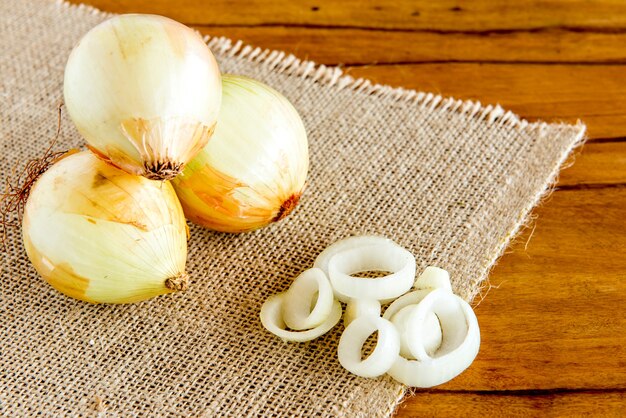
pixel 99 234
pixel 253 170
pixel 144 91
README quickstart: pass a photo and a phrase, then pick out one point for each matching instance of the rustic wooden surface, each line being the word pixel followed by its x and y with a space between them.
pixel 554 320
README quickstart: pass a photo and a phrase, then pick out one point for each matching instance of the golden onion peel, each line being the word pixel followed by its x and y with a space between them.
pixel 254 169
pixel 98 234
pixel 144 91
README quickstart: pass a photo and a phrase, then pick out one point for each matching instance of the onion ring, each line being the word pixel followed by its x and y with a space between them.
pixel 354 336
pixel 382 257
pixel 360 307
pixel 434 278
pixel 272 320
pixel 297 312
pixel 411 298
pixel 346 244
pixel 429 335
pixel 457 351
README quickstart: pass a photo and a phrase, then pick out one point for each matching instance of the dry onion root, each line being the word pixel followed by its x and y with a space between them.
pixel 425 337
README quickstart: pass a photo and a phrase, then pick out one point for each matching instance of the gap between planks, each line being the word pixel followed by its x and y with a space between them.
pixel 518 392
pixel 486 33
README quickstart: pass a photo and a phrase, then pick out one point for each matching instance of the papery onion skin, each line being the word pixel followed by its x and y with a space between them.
pixel 144 91
pixel 100 235
pixel 253 171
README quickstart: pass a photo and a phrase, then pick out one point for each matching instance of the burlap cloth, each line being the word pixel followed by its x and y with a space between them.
pixel 449 180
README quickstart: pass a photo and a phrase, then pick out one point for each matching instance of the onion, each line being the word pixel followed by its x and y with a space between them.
pixel 434 278
pixel 145 92
pixel 98 234
pixel 356 251
pixel 459 347
pixel 253 170
pixel 360 307
pixel 429 334
pixel 411 298
pixel 386 257
pixel 354 336
pixel 272 319
pixel 425 337
pixel 311 287
pixel 349 243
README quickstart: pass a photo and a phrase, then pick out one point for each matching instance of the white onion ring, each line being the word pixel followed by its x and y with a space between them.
pixel 354 336
pixel 346 244
pixel 297 301
pixel 454 326
pixel 411 298
pixel 430 335
pixel 272 320
pixel 382 257
pixel 360 307
pixel 454 356
pixel 434 278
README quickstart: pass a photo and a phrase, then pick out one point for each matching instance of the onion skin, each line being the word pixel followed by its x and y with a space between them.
pixel 253 171
pixel 98 234
pixel 144 91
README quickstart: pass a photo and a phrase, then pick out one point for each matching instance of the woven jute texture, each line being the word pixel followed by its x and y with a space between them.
pixel 451 181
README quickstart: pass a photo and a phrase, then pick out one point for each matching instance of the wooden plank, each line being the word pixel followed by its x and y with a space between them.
pixel 368 46
pixel 359 46
pixel 596 94
pixel 445 15
pixel 578 404
pixel 555 316
pixel 597 164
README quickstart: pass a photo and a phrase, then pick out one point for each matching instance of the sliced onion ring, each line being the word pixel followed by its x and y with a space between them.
pixel 347 244
pixel 297 301
pixel 430 334
pixel 382 257
pixel 411 298
pixel 360 307
pixel 354 336
pixel 272 320
pixel 454 326
pixel 434 278
pixel 449 361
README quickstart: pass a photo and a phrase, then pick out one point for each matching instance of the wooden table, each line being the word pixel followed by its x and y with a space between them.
pixel 554 320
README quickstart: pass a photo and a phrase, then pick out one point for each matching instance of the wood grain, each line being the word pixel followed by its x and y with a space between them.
pixel 552 322
pixel 444 15
pixel 367 46
pixel 544 405
pixel 595 94
pixel 550 317
pixel 556 91
pixel 597 164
